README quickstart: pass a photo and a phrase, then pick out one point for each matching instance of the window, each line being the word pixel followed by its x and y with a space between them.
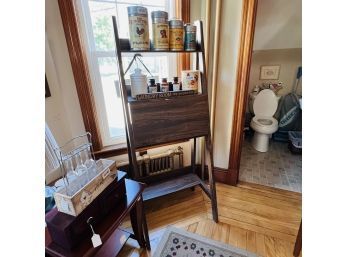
pixel 97 31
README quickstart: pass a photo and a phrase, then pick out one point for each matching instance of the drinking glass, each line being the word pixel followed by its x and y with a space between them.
pixel 89 162
pixel 80 170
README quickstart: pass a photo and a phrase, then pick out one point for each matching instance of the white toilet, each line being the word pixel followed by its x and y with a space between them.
pixel 264 106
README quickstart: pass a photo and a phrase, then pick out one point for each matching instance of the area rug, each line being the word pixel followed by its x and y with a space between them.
pixel 180 243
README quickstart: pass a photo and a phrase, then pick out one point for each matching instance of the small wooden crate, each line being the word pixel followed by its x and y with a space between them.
pixel 74 205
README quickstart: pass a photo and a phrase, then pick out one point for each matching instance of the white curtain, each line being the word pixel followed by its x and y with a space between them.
pixel 51 159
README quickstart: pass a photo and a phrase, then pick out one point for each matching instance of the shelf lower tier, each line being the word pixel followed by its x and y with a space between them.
pixel 171 185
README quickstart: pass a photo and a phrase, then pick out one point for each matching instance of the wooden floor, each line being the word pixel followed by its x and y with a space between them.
pixel 259 219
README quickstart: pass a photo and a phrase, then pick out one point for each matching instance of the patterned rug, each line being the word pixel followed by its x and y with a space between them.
pixel 180 243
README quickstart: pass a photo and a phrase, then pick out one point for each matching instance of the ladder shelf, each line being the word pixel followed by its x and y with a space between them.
pixel 153 122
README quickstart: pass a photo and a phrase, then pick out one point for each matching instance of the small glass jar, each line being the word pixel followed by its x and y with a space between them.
pixel 152 87
pixel 176 85
pixel 164 85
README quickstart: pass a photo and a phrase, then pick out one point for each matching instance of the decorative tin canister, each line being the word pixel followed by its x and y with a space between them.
pixel 190 37
pixel 176 35
pixel 190 79
pixel 138 28
pixel 160 31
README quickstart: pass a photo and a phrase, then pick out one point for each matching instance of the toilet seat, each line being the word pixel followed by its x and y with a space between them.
pixel 261 124
pixel 265 103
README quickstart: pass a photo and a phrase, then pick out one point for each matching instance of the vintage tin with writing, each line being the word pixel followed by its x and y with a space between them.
pixel 160 31
pixel 190 37
pixel 138 28
pixel 176 35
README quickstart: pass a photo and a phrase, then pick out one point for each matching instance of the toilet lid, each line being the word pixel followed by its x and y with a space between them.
pixel 265 103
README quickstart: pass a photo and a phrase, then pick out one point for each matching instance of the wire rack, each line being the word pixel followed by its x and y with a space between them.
pixel 70 150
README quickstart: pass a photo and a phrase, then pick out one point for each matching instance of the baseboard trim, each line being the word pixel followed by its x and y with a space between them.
pixel 226 176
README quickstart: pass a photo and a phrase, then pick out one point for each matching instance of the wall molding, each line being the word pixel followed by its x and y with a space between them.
pixel 80 70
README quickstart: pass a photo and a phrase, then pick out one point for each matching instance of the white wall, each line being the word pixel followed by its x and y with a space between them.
pixel 230 22
pixel 278 24
pixel 289 61
pixel 63 112
pixel 231 17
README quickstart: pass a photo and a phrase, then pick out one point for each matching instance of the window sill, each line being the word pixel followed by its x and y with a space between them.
pixel 111 150
pixel 119 149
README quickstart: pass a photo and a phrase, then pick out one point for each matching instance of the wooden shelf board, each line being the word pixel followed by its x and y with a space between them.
pixel 171 185
pixel 161 51
pixel 114 244
pixel 132 100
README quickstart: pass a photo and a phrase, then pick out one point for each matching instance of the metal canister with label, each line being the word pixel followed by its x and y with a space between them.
pixel 160 30
pixel 138 28
pixel 176 35
pixel 190 37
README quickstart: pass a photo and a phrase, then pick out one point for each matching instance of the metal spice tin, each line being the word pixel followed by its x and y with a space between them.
pixel 138 28
pixel 176 35
pixel 190 37
pixel 160 30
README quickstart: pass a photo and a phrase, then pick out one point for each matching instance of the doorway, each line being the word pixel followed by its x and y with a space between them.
pixel 264 38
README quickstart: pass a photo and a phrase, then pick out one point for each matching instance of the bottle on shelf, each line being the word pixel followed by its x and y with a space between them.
pixel 170 86
pixel 158 87
pixel 176 85
pixel 164 85
pixel 152 87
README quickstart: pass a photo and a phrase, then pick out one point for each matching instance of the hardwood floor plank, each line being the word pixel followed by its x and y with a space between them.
pixel 260 209
pixel 264 198
pixel 251 241
pixel 192 227
pixel 237 237
pixel 253 219
pixel 252 227
pixel 262 188
pixel 270 247
pixel 260 244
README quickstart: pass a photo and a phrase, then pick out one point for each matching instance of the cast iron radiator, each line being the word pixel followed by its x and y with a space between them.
pixel 167 161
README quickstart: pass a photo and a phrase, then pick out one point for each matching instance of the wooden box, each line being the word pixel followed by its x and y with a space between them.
pixel 75 204
pixel 68 231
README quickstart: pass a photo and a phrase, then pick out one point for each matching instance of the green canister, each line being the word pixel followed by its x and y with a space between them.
pixel 190 37
pixel 138 28
pixel 160 30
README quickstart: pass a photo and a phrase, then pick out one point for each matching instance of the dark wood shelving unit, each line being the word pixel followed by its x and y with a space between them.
pixel 154 122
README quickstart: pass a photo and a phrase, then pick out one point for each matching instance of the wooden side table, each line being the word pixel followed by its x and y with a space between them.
pixel 112 236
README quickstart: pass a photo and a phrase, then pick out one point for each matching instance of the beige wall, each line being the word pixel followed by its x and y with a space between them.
pixel 278 24
pixel 62 109
pixel 288 59
pixel 230 25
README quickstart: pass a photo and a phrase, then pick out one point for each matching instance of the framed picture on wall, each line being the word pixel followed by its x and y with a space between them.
pixel 270 72
pixel 47 89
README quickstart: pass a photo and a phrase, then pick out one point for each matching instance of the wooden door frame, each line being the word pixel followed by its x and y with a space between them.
pixel 230 175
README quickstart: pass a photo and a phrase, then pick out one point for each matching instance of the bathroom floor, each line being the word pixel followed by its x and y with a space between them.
pixel 277 168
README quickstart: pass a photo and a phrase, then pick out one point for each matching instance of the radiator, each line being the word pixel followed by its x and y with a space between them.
pixel 167 161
